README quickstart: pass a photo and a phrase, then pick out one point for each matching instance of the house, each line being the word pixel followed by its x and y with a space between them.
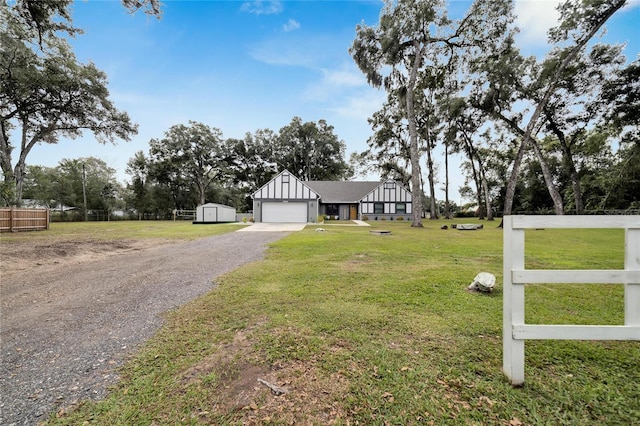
pixel 29 203
pixel 285 198
pixel 214 213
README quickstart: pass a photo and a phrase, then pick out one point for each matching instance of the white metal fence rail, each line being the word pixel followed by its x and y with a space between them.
pixel 515 331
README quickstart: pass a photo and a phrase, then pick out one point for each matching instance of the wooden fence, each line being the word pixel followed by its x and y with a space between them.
pixel 16 219
pixel 515 331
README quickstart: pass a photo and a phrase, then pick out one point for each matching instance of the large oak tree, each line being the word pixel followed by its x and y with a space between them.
pixel 193 155
pixel 46 94
pixel 580 21
pixel 411 49
pixel 311 151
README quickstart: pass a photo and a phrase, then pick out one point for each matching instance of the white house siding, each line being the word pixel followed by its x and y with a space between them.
pixel 285 187
pixel 388 194
pixel 285 199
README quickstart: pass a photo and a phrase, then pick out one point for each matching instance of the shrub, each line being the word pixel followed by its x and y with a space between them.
pixel 365 217
pixel 383 218
pixel 400 218
pixel 320 218
pixel 466 214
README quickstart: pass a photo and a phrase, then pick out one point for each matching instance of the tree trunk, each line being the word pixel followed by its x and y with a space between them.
pixel 476 180
pixel 548 179
pixel 5 152
pixel 19 169
pixel 447 212
pixel 573 176
pixel 413 139
pixel 485 190
pixel 513 180
pixel 202 189
pixel 485 186
pixel 19 177
pixel 9 181
pixel 432 187
pixel 473 156
pixel 567 161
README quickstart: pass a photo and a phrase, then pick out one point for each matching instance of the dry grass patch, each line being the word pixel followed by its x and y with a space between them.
pixel 242 385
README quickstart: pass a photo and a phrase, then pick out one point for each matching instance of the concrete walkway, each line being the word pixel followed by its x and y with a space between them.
pixel 291 227
pixel 361 223
pixel 273 227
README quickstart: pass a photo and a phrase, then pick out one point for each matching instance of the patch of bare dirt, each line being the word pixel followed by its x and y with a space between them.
pixel 25 255
pixel 294 393
pixel 356 263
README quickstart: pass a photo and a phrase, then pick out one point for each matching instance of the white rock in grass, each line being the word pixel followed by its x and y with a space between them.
pixel 484 282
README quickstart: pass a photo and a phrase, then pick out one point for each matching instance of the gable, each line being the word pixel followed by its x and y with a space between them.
pixel 388 198
pixel 390 192
pixel 285 186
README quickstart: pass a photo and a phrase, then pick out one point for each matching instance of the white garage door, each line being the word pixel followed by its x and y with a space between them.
pixel 284 212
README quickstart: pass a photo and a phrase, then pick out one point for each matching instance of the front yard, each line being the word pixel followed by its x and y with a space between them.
pixel 358 328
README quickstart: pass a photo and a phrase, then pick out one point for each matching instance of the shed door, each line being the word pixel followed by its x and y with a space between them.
pixel 210 214
pixel 284 212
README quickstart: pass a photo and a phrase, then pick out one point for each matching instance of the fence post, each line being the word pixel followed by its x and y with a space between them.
pixel 632 289
pixel 513 303
pixel 515 331
pixel 11 217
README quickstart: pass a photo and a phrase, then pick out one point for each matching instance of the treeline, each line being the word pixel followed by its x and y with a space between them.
pixel 192 164
pixel 560 133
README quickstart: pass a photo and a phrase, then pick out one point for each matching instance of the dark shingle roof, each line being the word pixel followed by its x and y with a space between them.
pixel 334 192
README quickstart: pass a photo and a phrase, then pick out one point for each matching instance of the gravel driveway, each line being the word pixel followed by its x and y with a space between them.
pixel 66 329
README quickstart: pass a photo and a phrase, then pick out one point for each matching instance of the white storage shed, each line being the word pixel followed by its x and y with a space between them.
pixel 215 213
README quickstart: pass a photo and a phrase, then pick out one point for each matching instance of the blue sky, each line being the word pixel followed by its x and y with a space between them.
pixel 247 65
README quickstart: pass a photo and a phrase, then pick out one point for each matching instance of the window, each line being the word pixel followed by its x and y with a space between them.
pixel 401 208
pixel 390 185
pixel 285 178
pixel 331 209
pixel 378 208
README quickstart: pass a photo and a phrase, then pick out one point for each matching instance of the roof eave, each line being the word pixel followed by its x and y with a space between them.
pixel 339 201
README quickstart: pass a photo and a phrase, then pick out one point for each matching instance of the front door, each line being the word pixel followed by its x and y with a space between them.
pixel 353 212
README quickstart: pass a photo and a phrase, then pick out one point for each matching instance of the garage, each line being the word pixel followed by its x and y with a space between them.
pixel 284 212
pixel 285 199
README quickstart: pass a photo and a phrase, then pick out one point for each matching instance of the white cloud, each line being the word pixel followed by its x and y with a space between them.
pixel 335 82
pixel 347 76
pixel 259 7
pixel 631 4
pixel 291 25
pixel 306 52
pixel 274 54
pixel 535 18
pixel 360 104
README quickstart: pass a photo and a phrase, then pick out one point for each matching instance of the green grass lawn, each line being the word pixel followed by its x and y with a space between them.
pixel 118 230
pixel 379 329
